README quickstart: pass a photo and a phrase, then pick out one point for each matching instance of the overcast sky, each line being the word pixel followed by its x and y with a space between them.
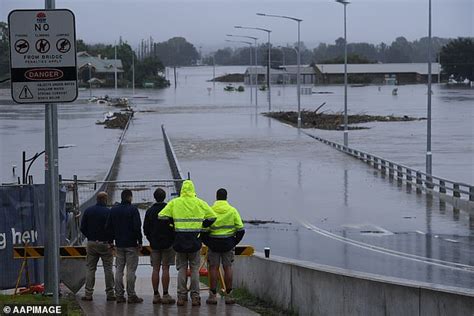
pixel 205 23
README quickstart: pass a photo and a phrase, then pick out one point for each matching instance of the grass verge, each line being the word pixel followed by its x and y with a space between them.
pixel 73 308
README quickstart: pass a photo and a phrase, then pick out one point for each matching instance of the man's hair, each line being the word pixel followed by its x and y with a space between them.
pixel 126 194
pixel 159 195
pixel 221 194
pixel 102 197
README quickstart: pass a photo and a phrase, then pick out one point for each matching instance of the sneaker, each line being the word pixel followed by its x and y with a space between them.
pixel 111 298
pixel 212 299
pixel 229 299
pixel 134 300
pixel 120 299
pixel 181 300
pixel 157 299
pixel 196 301
pixel 86 298
pixel 167 299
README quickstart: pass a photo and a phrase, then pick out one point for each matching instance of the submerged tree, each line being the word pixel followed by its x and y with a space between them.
pixel 457 58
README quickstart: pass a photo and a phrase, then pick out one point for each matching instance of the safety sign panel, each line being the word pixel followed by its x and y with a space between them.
pixel 43 61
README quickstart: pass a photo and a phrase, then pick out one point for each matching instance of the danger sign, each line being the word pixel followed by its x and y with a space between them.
pixel 43 56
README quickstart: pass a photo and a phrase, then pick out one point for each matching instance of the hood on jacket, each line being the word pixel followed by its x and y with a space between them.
pixel 221 206
pixel 188 189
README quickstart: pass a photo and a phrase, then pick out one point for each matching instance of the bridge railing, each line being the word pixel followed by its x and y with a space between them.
pixel 406 174
pixel 172 160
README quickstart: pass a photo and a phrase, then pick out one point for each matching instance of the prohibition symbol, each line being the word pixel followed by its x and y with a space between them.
pixel 63 45
pixel 22 46
pixel 25 93
pixel 42 46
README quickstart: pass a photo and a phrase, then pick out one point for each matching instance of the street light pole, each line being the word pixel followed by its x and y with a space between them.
pixel 269 59
pixel 346 135
pixel 298 58
pixel 428 121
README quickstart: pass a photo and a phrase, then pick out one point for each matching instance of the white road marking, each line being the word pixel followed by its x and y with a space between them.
pixel 420 232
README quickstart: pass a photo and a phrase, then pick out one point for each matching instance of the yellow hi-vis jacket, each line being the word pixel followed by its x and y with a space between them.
pixel 228 220
pixel 188 211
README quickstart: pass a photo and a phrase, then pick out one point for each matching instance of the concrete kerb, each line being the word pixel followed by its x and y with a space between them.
pixel 314 289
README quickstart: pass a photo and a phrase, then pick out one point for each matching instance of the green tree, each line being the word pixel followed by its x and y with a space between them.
pixel 4 51
pixel 176 52
pixel 148 70
pixel 457 58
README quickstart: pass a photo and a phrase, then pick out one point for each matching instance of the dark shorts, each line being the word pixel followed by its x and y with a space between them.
pixel 162 257
pixel 218 258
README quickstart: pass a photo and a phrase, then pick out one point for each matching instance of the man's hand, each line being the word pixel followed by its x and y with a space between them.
pixel 140 247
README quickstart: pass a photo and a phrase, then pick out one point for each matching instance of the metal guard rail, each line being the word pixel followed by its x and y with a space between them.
pixel 172 160
pixel 404 173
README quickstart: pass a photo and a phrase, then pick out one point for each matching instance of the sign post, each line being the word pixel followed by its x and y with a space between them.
pixel 44 70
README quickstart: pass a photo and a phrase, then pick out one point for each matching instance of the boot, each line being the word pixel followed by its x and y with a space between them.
pixel 156 299
pixel 167 299
pixel 181 300
pixel 196 301
pixel 121 299
pixel 229 299
pixel 212 299
pixel 134 300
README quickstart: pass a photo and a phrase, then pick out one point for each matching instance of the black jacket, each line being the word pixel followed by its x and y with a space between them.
pixel 93 223
pixel 223 244
pixel 125 225
pixel 159 233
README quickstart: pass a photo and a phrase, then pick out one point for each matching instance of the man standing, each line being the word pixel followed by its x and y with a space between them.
pixel 125 225
pixel 160 234
pixel 224 234
pixel 99 245
pixel 189 214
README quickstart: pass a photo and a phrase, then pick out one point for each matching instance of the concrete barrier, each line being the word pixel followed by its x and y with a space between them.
pixel 312 289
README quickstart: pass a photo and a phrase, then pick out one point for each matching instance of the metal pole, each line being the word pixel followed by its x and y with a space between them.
pixel 214 72
pixel 133 73
pixel 256 75
pixel 269 74
pixel 23 164
pixel 298 79
pixel 250 74
pixel 115 67
pixel 90 80
pixel 52 196
pixel 428 125
pixel 346 136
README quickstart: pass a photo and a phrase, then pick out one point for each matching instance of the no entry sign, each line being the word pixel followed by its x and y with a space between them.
pixel 43 56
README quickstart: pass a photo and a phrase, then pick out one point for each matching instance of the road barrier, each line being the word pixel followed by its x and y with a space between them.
pixel 172 160
pixel 461 195
pixel 313 289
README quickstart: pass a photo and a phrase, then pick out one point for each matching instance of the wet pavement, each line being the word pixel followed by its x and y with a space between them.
pixel 99 306
pixel 334 210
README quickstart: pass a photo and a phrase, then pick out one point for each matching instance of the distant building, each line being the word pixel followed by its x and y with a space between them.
pixel 276 75
pixel 390 74
pixel 403 73
pixel 102 71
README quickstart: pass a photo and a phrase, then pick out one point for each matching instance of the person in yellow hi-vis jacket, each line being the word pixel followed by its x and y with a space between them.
pixel 223 235
pixel 190 215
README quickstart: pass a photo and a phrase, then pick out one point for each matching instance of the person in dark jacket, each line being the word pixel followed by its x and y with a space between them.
pixel 99 246
pixel 160 234
pixel 224 234
pixel 125 225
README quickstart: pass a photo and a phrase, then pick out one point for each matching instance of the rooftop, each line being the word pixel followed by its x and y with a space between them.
pixel 101 65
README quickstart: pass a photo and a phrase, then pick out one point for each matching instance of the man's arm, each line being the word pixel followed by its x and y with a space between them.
pixel 137 226
pixel 209 215
pixel 84 224
pixel 147 224
pixel 109 227
pixel 239 226
pixel 167 212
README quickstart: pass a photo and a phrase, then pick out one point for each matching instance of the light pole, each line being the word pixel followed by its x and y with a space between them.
pixel 250 49
pixel 90 79
pixel 298 59
pixel 269 60
pixel 346 135
pixel 255 72
pixel 428 121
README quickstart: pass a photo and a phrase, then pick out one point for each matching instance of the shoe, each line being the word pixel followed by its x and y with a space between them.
pixel 86 298
pixel 212 299
pixel 157 299
pixel 120 299
pixel 229 299
pixel 167 299
pixel 196 301
pixel 134 300
pixel 111 298
pixel 181 301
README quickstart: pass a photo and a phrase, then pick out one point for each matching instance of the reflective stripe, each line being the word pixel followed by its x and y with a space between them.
pixel 188 220
pixel 222 236
pixel 222 227
pixel 187 230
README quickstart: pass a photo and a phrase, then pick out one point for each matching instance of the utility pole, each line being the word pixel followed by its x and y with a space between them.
pixel 428 121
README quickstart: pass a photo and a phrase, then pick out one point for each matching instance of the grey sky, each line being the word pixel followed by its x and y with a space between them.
pixel 206 22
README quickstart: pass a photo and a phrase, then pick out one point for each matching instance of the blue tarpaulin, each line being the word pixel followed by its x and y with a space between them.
pixel 22 218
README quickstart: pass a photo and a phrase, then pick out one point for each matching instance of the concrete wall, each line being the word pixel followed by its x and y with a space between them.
pixel 311 289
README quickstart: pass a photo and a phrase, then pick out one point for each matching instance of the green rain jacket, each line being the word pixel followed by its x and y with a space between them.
pixel 188 213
